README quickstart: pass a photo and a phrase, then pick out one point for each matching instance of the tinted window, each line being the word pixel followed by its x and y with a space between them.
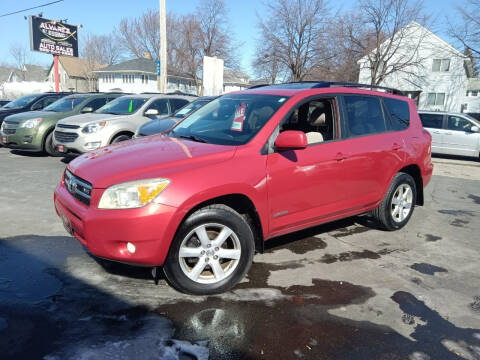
pixel 96 103
pixel 364 115
pixel 65 104
pixel 458 123
pixel 399 113
pixel 20 102
pixel 433 121
pixel 161 105
pixel 49 100
pixel 177 104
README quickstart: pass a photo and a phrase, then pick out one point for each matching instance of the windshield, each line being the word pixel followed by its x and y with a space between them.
pixel 189 108
pixel 20 102
pixel 477 122
pixel 65 104
pixel 123 105
pixel 230 119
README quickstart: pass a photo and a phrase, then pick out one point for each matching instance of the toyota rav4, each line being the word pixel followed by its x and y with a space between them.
pixel 247 167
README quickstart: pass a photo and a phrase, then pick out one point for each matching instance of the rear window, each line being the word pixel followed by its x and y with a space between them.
pixel 364 115
pixel 433 121
pixel 399 113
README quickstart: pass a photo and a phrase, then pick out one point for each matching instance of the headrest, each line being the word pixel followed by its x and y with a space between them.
pixel 319 121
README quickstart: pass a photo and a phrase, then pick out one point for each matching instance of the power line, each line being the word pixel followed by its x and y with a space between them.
pixel 35 7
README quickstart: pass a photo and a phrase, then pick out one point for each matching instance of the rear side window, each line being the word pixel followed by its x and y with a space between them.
pixel 97 103
pixel 177 104
pixel 364 115
pixel 399 113
pixel 433 121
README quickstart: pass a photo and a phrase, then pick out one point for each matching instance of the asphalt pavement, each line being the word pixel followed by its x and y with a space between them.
pixel 343 290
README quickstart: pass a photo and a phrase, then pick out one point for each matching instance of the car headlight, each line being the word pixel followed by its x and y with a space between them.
pixel 132 194
pixel 94 127
pixel 30 124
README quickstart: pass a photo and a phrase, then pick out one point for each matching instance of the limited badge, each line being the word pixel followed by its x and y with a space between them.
pixel 237 123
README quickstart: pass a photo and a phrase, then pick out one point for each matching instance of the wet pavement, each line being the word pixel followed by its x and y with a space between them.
pixel 344 290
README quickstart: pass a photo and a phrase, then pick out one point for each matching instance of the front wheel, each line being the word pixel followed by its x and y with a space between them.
pixel 120 138
pixel 211 252
pixel 49 148
pixel 397 206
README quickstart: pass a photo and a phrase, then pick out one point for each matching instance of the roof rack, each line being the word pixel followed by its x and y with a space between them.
pixel 324 84
pixel 259 85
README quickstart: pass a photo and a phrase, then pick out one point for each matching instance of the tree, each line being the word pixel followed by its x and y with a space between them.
pixel 21 56
pixel 468 32
pixel 471 65
pixel 103 49
pixel 291 35
pixel 385 32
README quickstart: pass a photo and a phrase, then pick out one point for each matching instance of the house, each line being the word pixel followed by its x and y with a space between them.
pixel 27 80
pixel 76 74
pixel 28 73
pixel 437 77
pixel 140 75
pixel 234 81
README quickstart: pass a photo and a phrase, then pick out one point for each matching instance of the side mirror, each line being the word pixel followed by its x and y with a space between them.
pixel 87 109
pixel 151 112
pixel 291 140
pixel 475 129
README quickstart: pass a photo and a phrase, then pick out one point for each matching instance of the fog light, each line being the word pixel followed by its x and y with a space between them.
pixel 93 145
pixel 131 248
pixel 27 139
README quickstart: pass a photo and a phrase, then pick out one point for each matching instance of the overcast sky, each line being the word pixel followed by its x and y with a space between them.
pixel 101 16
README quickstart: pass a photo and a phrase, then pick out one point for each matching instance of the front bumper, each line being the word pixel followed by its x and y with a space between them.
pixel 78 145
pixel 106 232
pixel 23 138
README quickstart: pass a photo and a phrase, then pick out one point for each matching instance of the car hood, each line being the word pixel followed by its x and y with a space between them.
pixel 157 126
pixel 148 157
pixel 82 119
pixel 32 115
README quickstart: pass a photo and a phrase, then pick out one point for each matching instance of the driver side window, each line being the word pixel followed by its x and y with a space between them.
pixel 315 118
pixel 458 123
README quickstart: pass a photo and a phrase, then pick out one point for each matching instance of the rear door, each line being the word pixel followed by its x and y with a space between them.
pixel 459 138
pixel 434 124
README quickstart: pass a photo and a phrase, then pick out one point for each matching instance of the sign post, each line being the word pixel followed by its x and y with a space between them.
pixel 53 37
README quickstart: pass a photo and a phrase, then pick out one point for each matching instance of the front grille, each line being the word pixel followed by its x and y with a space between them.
pixel 65 137
pixel 66 126
pixel 9 131
pixel 79 188
pixel 9 125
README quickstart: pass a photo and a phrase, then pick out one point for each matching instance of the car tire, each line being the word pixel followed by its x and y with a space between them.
pixel 49 148
pixel 209 234
pixel 120 138
pixel 397 206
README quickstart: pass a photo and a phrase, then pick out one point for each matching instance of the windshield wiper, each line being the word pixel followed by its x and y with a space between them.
pixel 193 138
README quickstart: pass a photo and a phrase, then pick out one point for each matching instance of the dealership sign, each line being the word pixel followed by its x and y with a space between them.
pixel 53 37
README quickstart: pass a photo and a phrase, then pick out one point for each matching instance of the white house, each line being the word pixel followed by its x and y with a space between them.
pixel 437 79
pixel 140 75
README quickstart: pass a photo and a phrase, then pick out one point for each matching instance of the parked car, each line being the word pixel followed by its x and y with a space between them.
pixel 165 123
pixel 31 102
pixel 245 168
pixel 3 102
pixel 115 122
pixel 33 130
pixel 452 133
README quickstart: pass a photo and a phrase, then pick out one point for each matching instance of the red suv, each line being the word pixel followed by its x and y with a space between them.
pixel 245 168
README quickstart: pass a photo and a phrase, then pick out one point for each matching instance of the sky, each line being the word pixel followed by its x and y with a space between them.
pixel 101 16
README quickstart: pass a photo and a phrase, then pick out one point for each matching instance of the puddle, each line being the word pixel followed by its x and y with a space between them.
pixel 427 269
pixel 459 222
pixel 457 212
pixel 475 198
pixel 300 247
pixel 432 238
pixel 342 232
pixel 354 255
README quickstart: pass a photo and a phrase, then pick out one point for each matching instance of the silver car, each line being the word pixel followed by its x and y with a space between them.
pixel 116 121
pixel 452 133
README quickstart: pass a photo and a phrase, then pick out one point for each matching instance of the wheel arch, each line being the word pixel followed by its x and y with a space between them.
pixel 118 133
pixel 414 171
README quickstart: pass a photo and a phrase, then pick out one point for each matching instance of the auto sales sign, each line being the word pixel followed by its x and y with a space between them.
pixel 53 37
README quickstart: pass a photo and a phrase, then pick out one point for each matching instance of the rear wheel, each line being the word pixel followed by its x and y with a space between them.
pixel 211 252
pixel 49 148
pixel 119 138
pixel 397 207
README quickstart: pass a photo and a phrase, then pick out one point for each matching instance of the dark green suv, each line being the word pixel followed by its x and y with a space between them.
pixel 33 130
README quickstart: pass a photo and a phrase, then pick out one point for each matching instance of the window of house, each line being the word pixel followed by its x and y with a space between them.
pixel 65 76
pixel 474 93
pixel 435 99
pixel 364 114
pixel 441 65
pixel 144 79
pixel 399 113
pixel 433 121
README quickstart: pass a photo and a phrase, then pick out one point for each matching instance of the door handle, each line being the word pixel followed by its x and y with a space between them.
pixel 436 132
pixel 448 133
pixel 396 146
pixel 340 156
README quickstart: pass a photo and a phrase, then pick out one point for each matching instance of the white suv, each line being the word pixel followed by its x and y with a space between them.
pixel 116 121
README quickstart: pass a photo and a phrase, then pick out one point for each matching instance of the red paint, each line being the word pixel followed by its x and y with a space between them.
pixel 290 190
pixel 291 140
pixel 55 71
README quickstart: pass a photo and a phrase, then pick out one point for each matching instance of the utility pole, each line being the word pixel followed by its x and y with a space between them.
pixel 162 79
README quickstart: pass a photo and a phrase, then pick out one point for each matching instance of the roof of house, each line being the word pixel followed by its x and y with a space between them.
pixel 146 66
pixel 232 77
pixel 77 67
pixel 32 73
pixel 413 25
